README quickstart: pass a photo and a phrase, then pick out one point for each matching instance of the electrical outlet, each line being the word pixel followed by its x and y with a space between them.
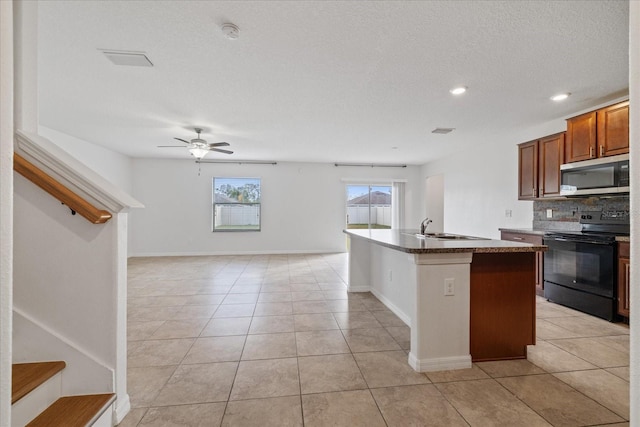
pixel 508 213
pixel 549 213
pixel 449 288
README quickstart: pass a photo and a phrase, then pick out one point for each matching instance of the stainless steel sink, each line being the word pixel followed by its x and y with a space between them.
pixel 447 236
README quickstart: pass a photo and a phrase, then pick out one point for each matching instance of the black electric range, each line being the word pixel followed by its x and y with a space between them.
pixel 580 267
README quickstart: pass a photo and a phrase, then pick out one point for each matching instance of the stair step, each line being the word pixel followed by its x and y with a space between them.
pixel 74 411
pixel 28 376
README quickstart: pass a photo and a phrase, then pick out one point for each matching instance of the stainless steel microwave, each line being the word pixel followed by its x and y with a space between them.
pixel 607 175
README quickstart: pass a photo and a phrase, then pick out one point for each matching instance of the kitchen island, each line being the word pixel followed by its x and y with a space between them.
pixel 465 299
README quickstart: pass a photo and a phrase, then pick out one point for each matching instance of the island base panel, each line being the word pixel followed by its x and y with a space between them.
pixel 502 306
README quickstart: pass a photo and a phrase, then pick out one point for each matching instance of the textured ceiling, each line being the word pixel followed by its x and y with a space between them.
pixel 324 81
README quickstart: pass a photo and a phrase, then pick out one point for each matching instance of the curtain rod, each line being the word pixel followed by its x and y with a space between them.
pixel 371 165
pixel 240 162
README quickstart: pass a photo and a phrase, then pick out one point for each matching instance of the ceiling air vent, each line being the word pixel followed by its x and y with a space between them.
pixel 131 59
pixel 443 130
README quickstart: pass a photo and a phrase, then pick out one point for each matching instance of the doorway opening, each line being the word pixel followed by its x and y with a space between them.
pixel 369 206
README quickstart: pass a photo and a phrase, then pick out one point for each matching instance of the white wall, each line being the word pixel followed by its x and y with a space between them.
pixel 634 129
pixel 434 202
pixel 303 206
pixel 478 187
pixel 63 260
pixel 6 207
pixel 113 166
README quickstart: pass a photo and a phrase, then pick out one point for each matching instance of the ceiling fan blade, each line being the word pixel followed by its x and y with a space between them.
pixel 221 151
pixel 170 146
pixel 219 144
pixel 180 139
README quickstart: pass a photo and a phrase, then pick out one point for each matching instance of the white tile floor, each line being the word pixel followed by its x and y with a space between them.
pixel 277 341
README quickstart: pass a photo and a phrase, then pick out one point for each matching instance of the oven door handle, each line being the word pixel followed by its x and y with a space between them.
pixel 592 242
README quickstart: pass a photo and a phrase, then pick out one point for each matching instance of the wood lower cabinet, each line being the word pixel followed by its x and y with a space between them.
pixel 600 133
pixel 613 130
pixel 534 239
pixel 539 167
pixel 624 269
pixel 502 316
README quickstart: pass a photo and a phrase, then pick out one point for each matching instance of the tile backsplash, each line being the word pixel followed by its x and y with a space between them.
pixel 566 212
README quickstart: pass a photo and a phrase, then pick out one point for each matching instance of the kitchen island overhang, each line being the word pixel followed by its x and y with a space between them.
pixel 464 300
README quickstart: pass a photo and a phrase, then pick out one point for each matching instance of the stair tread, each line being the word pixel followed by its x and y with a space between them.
pixel 74 411
pixel 28 376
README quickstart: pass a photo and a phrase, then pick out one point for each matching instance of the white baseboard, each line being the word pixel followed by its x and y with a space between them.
pixel 121 408
pixel 358 289
pixel 401 314
pixel 439 363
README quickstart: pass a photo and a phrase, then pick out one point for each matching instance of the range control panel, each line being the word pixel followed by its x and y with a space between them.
pixel 596 216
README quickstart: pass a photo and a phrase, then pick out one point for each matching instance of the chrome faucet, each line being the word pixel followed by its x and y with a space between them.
pixel 424 224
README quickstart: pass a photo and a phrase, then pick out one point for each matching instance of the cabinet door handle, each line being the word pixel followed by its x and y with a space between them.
pixel 627 270
pixel 602 151
pixel 591 152
pixel 517 238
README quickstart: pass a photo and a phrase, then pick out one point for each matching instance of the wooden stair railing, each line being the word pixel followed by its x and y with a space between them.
pixel 59 191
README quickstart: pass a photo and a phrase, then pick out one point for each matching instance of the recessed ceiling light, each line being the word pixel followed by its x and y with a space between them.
pixel 120 57
pixel 458 90
pixel 560 97
pixel 443 130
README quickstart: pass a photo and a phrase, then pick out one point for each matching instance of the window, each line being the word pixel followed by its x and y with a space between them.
pixel 369 206
pixel 236 204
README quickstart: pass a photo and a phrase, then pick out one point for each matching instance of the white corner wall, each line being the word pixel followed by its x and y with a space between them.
pixel 634 130
pixel 62 260
pixel 113 166
pixel 479 186
pixel 6 207
pixel 303 207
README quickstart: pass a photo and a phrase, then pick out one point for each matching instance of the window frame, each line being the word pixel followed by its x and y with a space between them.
pixel 371 185
pixel 239 228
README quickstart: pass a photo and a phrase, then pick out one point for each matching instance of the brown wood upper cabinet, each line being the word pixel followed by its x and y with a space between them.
pixel 600 133
pixel 539 167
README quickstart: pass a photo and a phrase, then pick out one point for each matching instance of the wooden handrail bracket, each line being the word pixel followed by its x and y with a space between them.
pixel 59 191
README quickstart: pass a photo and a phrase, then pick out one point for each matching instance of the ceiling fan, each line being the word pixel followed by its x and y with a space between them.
pixel 199 148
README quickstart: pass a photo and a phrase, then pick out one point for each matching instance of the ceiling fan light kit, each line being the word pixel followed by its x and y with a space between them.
pixel 198 153
pixel 199 147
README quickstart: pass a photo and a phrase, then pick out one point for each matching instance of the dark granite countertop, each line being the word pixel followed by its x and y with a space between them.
pixel 406 241
pixel 539 232
pixel 536 232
